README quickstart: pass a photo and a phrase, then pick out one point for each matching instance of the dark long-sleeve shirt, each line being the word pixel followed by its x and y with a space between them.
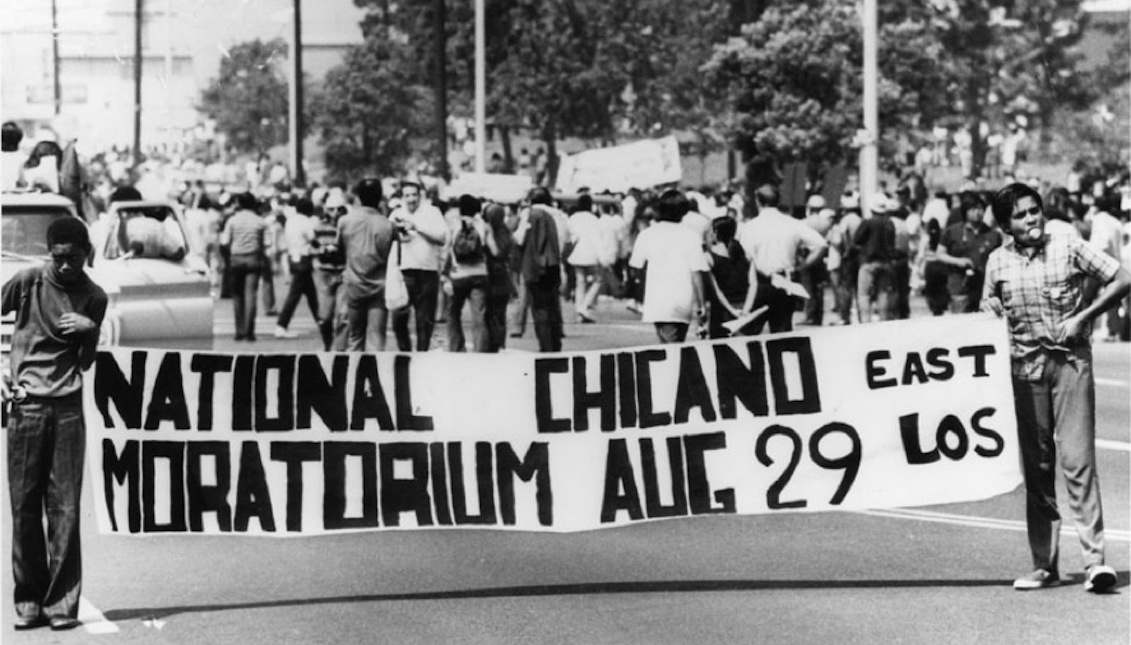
pixel 44 362
pixel 876 239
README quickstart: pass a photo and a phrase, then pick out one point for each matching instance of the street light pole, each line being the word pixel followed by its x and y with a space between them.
pixel 58 87
pixel 480 89
pixel 139 18
pixel 441 116
pixel 868 152
pixel 296 98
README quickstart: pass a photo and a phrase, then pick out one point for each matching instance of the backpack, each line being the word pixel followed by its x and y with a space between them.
pixel 467 247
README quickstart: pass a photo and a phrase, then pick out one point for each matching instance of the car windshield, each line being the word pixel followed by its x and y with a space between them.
pixel 23 228
pixel 147 232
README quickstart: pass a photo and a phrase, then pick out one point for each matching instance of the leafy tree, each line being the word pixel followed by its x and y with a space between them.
pixel 550 80
pixel 1098 136
pixel 248 100
pixel 584 68
pixel 655 48
pixel 367 110
pixel 1006 59
pixel 793 77
pixel 794 80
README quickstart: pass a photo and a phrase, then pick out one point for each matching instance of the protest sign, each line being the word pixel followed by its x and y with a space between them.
pixel 641 164
pixel 504 189
pixel 872 416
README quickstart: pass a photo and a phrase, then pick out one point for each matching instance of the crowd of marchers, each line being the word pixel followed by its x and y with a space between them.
pixel 725 265
pixel 690 262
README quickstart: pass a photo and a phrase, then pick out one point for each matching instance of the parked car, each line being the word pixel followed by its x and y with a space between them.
pixel 155 299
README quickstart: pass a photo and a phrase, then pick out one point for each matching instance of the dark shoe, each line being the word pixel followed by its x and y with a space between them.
pixel 63 623
pixel 29 622
pixel 1038 579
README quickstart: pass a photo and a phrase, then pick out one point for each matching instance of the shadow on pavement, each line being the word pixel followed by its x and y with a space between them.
pixel 673 586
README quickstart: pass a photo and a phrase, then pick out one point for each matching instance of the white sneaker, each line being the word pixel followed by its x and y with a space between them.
pixel 1038 579
pixel 283 332
pixel 1100 578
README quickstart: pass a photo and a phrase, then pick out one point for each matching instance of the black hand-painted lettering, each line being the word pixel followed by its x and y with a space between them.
pixel 773 493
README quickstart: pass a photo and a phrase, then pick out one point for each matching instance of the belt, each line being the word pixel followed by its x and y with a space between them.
pixel 21 397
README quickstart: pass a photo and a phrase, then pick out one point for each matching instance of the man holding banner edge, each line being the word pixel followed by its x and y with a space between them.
pixel 1036 281
pixel 59 312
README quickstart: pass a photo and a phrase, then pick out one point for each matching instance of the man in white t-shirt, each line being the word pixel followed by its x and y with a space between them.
pixel 675 268
pixel 423 234
pixel 773 242
pixel 584 243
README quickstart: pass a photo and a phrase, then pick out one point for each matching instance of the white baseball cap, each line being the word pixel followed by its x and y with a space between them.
pixel 881 203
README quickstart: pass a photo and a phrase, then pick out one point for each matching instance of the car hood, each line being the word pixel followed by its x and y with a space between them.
pixel 12 265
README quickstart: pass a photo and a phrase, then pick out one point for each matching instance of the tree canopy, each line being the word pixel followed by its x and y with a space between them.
pixel 793 82
pixel 787 84
pixel 366 110
pixel 248 100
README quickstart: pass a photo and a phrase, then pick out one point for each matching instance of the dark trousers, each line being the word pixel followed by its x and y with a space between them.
pixel 496 320
pixel 901 275
pixel 546 309
pixel 814 280
pixel 267 276
pixel 366 317
pixel 780 307
pixel 46 443
pixel 473 291
pixel 331 309
pixel 935 290
pixel 844 288
pixel 245 288
pixel 423 289
pixel 302 284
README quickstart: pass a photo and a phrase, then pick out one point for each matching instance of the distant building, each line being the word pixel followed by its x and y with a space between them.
pixel 181 52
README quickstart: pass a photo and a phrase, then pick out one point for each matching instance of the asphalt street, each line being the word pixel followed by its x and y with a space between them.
pixel 927 575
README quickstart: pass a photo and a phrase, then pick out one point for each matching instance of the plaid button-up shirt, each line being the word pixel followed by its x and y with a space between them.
pixel 1038 293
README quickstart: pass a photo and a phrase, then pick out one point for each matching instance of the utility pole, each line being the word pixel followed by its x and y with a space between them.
pixel 480 88
pixel 55 57
pixel 441 125
pixel 869 166
pixel 296 99
pixel 138 20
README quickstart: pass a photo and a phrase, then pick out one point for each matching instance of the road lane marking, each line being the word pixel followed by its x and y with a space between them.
pixel 1111 382
pixel 1109 444
pixel 92 619
pixel 1114 535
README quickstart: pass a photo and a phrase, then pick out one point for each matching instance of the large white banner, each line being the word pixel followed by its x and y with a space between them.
pixel 871 416
pixel 505 189
pixel 641 164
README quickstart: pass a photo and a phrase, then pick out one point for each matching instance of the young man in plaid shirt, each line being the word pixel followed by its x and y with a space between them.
pixel 1037 281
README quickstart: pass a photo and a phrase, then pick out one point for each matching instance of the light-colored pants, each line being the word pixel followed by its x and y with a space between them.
pixel 876 284
pixel 587 289
pixel 1056 417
